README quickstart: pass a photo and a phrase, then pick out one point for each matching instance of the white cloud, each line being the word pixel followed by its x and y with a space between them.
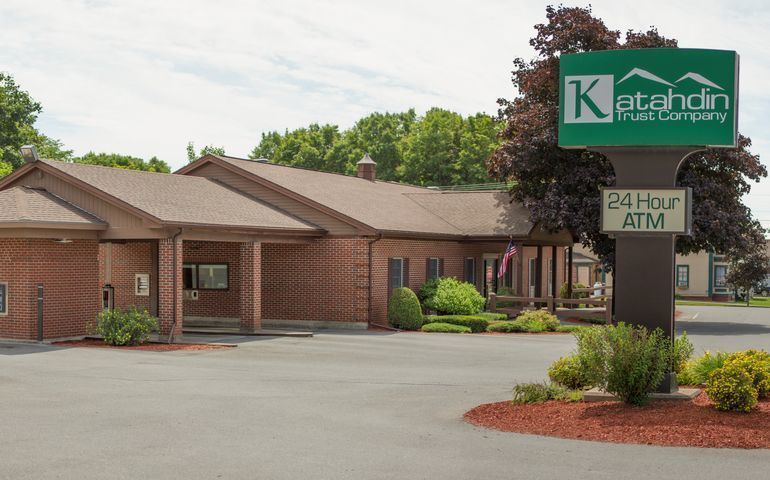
pixel 145 77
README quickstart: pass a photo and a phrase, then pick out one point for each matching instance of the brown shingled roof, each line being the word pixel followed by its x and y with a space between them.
pixel 397 207
pixel 478 213
pixel 30 207
pixel 181 199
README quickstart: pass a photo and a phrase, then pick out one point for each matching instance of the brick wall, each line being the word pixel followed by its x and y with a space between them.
pixel 70 275
pixel 128 260
pixel 215 303
pixel 418 251
pixel 326 280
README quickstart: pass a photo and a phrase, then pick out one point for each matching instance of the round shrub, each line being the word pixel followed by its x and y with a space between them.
pixel 404 310
pixel 131 327
pixel 439 327
pixel 568 371
pixel 451 296
pixel 757 365
pixel 731 388
pixel 546 321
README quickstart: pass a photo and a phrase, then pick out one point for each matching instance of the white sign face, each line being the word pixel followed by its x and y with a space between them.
pixel 643 210
pixel 590 98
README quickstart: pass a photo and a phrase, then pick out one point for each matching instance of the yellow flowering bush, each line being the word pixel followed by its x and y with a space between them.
pixel 731 388
pixel 757 364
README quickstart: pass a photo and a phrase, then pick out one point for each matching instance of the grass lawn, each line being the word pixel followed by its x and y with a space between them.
pixel 755 302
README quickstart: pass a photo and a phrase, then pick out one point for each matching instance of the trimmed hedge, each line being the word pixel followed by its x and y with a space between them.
pixel 404 310
pixel 512 327
pixel 439 327
pixel 477 323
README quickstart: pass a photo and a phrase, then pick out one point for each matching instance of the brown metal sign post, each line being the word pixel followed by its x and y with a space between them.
pixel 646 261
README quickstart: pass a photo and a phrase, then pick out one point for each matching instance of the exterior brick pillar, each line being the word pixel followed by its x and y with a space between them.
pixel 170 311
pixel 251 286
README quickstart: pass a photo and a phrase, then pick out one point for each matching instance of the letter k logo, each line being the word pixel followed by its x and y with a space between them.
pixel 588 98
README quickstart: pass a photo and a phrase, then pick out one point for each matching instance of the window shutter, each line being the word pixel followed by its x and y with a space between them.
pixel 405 272
pixel 465 269
pixel 440 267
pixel 390 278
pixel 427 269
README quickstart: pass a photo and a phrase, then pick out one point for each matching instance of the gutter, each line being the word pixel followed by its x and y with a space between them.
pixel 175 286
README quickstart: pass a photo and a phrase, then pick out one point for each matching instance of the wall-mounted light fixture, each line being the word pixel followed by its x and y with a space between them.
pixel 29 154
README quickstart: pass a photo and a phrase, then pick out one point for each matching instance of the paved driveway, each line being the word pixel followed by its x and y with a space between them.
pixel 337 406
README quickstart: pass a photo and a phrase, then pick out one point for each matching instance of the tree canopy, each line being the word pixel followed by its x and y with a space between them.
pixel 18 114
pixel 193 156
pixel 439 148
pixel 561 187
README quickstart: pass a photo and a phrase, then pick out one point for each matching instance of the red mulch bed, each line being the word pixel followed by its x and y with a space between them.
pixel 155 347
pixel 663 422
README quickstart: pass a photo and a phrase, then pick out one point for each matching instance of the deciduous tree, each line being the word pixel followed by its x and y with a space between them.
pixel 561 187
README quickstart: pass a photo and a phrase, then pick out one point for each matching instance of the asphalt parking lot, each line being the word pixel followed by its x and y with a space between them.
pixel 336 406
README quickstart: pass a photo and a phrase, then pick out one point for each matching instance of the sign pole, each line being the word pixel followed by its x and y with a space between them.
pixel 647 262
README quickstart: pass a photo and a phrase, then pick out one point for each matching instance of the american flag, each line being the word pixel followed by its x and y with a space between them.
pixel 509 252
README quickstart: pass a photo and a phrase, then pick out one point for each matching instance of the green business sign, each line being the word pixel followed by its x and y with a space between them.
pixel 648 97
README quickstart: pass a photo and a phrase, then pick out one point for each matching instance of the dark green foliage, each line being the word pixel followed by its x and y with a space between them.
pixel 561 188
pixel 439 148
pixel 568 328
pixel 626 361
pixel 131 327
pixel 124 161
pixel 453 297
pixel 404 310
pixel 440 327
pixel 568 372
pixel 563 291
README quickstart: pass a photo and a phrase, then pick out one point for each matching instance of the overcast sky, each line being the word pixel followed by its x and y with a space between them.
pixel 145 77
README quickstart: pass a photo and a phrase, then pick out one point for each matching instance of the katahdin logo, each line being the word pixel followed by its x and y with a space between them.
pixel 641 96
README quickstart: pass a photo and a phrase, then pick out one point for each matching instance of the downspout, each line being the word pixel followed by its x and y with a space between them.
pixel 175 302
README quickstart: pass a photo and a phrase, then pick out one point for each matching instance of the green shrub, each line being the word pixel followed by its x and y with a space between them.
pixel 439 327
pixel 681 353
pixel 477 323
pixel 574 396
pixel 453 297
pixel 516 326
pixel 568 372
pixel 538 393
pixel 404 310
pixel 697 371
pixel 506 327
pixel 731 388
pixel 757 365
pixel 626 361
pixel 563 291
pixel 428 290
pixel 544 320
pixel 130 327
pixel 568 328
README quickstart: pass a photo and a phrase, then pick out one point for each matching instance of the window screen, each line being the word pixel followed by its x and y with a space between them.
pixel 434 268
pixel 3 298
pixel 396 273
pixel 470 270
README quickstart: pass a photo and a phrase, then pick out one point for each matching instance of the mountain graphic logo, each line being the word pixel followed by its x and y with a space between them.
pixel 695 77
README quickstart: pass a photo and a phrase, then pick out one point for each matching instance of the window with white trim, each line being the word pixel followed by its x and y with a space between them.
pixel 683 276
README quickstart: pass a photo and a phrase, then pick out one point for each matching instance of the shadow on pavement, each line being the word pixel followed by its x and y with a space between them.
pixel 721 328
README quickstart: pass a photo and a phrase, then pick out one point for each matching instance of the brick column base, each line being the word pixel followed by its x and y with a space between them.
pixel 251 286
pixel 170 286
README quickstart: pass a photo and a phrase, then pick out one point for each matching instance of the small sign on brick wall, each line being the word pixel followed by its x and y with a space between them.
pixel 142 284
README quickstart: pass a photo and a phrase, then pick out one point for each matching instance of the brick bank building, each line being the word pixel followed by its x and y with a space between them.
pixel 246 244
